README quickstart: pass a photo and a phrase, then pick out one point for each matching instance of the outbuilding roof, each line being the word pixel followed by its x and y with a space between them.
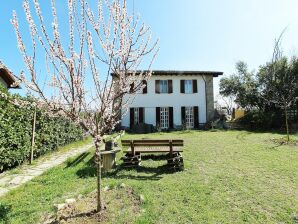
pixel 7 76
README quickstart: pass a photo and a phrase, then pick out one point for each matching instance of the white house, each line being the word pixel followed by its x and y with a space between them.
pixel 172 99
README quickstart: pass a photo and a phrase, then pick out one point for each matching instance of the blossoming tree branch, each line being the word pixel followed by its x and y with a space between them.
pixel 76 81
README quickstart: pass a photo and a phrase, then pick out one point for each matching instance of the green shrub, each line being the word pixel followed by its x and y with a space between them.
pixel 257 119
pixel 16 133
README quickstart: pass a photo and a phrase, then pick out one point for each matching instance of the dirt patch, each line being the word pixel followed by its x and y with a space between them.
pixel 121 204
pixel 283 141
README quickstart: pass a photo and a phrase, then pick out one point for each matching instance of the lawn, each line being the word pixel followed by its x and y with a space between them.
pixel 229 177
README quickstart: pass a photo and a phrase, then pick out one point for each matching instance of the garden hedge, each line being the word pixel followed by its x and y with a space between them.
pixel 16 133
pixel 257 119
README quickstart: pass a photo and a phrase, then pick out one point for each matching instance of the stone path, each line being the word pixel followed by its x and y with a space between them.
pixel 10 180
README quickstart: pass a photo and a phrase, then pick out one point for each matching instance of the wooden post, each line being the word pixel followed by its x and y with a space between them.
pixel 108 160
pixel 171 147
pixel 132 148
pixel 33 136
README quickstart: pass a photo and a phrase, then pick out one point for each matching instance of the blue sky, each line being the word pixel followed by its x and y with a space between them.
pixel 194 34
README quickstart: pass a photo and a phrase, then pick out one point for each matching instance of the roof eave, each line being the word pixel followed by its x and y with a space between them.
pixel 172 72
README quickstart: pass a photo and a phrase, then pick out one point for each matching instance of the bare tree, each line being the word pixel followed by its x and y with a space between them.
pixel 76 80
pixel 228 103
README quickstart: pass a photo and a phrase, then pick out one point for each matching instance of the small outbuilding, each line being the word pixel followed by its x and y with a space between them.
pixel 7 79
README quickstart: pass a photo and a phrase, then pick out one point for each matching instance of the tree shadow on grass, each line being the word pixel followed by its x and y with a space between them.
pixel 141 172
pixel 4 211
pixel 89 170
pixel 77 160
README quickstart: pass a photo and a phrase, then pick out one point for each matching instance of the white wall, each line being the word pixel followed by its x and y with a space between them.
pixel 151 100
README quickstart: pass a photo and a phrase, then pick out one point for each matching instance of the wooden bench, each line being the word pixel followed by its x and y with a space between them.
pixel 136 147
pixel 153 146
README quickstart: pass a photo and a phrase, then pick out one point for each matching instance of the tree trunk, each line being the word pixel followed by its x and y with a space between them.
pixel 287 125
pixel 97 141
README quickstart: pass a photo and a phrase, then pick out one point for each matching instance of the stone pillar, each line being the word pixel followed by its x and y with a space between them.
pixel 209 97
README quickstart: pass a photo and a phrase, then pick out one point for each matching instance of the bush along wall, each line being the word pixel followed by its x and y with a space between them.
pixel 260 120
pixel 16 134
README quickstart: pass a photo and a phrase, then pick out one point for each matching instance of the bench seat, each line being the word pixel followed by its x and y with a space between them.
pixel 153 145
pixel 153 149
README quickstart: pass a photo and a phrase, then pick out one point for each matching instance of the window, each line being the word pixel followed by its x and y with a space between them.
pixel 188 86
pixel 163 86
pixel 189 117
pixel 164 117
pixel 138 89
pixel 136 114
pixel 144 82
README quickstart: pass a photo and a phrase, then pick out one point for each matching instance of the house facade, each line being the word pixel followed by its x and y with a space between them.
pixel 173 99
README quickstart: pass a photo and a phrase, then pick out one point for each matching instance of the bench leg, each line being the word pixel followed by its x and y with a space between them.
pixel 175 161
pixel 130 160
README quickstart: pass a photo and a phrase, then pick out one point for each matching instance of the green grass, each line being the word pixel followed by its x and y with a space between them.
pixel 229 177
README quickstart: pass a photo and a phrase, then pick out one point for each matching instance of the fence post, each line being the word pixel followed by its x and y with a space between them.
pixel 33 136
